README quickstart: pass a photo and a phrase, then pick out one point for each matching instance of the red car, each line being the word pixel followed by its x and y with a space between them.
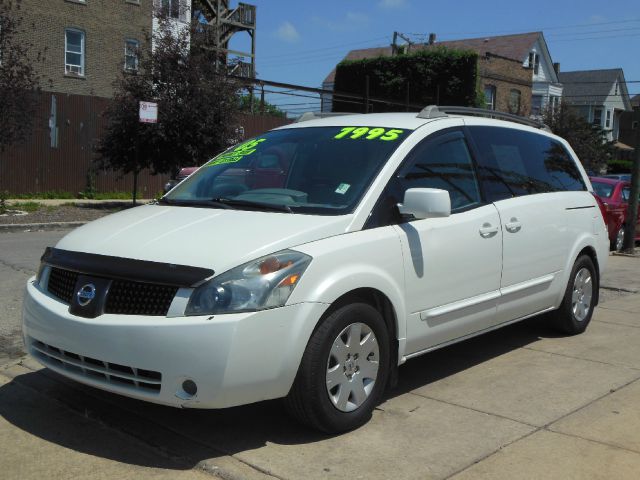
pixel 614 195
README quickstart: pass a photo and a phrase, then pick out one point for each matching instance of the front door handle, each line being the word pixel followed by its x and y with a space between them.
pixel 487 230
pixel 513 226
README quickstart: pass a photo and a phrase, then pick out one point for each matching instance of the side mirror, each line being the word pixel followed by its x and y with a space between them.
pixel 426 203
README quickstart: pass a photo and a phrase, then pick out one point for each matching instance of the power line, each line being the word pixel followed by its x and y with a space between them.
pixel 336 46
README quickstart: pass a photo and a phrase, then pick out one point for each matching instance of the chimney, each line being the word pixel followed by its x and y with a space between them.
pixel 432 38
pixel 556 67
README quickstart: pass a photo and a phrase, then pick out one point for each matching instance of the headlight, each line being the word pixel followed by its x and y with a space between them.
pixel 263 283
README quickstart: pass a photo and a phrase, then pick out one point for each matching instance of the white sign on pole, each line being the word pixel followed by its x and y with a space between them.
pixel 148 112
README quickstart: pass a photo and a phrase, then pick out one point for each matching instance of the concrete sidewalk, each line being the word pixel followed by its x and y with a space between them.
pixel 521 402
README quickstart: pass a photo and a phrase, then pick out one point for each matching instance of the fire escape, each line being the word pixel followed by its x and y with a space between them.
pixel 219 24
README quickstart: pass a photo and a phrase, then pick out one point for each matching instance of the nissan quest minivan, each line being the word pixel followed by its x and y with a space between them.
pixel 311 261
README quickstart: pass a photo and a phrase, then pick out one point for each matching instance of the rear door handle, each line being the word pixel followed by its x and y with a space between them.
pixel 513 226
pixel 487 230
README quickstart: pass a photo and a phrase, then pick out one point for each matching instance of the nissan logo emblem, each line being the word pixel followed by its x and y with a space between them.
pixel 86 294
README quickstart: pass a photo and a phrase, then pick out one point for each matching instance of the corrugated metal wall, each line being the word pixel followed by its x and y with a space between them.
pixel 36 166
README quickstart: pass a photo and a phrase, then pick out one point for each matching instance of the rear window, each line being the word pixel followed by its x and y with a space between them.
pixel 602 189
pixel 516 162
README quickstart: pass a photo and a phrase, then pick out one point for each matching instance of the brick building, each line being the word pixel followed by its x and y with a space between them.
pixel 86 46
pixel 516 73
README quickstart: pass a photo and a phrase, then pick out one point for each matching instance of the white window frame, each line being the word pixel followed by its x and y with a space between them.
pixel 490 105
pixel 607 123
pixel 67 66
pixel 127 54
pixel 599 123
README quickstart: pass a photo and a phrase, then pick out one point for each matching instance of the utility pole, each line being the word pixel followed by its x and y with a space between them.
pixel 395 48
pixel 632 212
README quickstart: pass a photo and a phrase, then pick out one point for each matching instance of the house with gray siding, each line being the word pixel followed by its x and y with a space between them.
pixel 599 96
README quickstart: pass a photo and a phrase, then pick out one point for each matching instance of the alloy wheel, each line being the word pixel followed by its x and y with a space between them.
pixel 352 367
pixel 582 294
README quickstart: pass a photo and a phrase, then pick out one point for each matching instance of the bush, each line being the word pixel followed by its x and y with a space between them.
pixel 436 75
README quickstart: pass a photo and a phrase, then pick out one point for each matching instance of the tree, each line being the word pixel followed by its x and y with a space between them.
pixel 19 82
pixel 588 141
pixel 196 105
pixel 267 108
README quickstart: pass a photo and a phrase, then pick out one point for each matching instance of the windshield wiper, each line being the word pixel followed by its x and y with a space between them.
pixel 230 202
pixel 194 203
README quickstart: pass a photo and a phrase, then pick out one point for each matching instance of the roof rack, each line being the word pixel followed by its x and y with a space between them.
pixel 435 111
pixel 316 115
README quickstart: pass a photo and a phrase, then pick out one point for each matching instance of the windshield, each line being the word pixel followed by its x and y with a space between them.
pixel 319 170
pixel 602 189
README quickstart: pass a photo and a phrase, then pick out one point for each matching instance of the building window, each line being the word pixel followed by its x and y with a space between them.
pixel 608 122
pixel 171 8
pixel 536 104
pixel 534 62
pixel 597 117
pixel 514 101
pixel 490 97
pixel 131 55
pixel 74 52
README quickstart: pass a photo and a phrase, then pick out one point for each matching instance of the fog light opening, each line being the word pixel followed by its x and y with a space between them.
pixel 187 390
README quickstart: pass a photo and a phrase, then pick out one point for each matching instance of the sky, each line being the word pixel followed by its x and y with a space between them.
pixel 300 42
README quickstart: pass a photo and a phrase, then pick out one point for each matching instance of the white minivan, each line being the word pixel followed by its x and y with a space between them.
pixel 311 261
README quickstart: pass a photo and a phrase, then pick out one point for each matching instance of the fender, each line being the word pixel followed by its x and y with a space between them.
pixel 365 259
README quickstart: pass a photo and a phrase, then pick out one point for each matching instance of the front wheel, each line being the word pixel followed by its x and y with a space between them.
pixel 343 371
pixel 579 300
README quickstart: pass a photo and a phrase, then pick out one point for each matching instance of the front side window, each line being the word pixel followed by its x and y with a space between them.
pixel 314 170
pixel 608 121
pixel 131 55
pixel 74 52
pixel 514 162
pixel 536 104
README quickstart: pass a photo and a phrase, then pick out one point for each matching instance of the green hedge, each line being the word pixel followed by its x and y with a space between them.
pixel 436 75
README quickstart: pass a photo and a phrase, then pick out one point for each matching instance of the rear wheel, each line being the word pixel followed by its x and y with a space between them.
pixel 618 242
pixel 579 300
pixel 343 371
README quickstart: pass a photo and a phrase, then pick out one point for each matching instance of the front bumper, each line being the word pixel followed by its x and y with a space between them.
pixel 233 359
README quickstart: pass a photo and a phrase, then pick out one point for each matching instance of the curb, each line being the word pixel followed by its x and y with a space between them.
pixel 31 227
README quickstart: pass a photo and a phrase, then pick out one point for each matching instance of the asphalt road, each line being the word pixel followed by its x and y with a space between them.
pixel 521 402
pixel 19 258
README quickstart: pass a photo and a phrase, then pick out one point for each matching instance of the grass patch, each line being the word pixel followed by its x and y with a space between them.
pixel 25 206
pixel 52 194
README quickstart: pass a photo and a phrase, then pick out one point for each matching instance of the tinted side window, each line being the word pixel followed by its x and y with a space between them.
pixel 516 162
pixel 442 162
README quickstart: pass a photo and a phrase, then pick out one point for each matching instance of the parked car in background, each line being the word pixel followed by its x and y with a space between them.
pixel 619 176
pixel 184 173
pixel 614 194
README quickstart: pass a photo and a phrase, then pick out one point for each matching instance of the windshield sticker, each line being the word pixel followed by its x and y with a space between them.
pixel 237 153
pixel 369 133
pixel 342 188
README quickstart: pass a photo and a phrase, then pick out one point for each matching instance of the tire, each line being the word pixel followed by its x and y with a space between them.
pixel 339 382
pixel 618 243
pixel 579 300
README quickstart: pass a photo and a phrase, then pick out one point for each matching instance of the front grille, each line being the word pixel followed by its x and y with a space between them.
pixel 62 284
pixel 124 297
pixel 134 298
pixel 97 370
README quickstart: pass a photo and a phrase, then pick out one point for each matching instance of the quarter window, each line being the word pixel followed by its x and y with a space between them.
pixel 74 48
pixel 513 163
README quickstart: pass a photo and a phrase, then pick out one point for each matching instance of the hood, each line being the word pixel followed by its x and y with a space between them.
pixel 201 237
